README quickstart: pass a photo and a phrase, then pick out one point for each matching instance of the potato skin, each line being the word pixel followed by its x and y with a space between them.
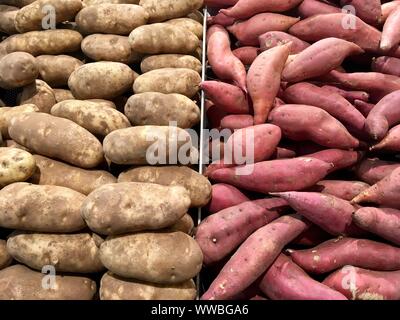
pixel 87 3
pixel 98 119
pixel 157 257
pixel 169 80
pixel 42 42
pixel 15 165
pixel 17 3
pixel 185 224
pixel 109 47
pixel 5 258
pixel 170 61
pixel 30 17
pixel 55 70
pixel 55 173
pixel 100 80
pixel 6 113
pixel 103 18
pixel 21 283
pixel 188 24
pixel 169 9
pixel 56 138
pixel 63 94
pixel 161 38
pixel 113 287
pixel 129 207
pixel 7 17
pixel 198 186
pixel 25 206
pixel 196 15
pixel 104 103
pixel 17 69
pixel 155 108
pixel 40 94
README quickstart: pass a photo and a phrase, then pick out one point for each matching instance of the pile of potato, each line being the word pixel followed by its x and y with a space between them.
pixel 80 193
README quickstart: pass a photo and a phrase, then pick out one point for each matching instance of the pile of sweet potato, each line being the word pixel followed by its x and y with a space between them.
pixel 314 88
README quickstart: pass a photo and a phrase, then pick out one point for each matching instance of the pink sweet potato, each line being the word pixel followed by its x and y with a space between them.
pixel 226 96
pixel 339 159
pixel 254 257
pixel 362 284
pixel 225 196
pixel 285 280
pixel 264 79
pixel 221 19
pixel 274 175
pixel 387 9
pixel 384 222
pixel 368 10
pixel 219 234
pixel 216 165
pixel 387 65
pixel 391 31
pixel 248 31
pixel 348 95
pixel 247 8
pixel 273 39
pixel 221 59
pixel 214 114
pixel 385 192
pixel 390 143
pixel 333 103
pixel 220 3
pixel 310 8
pixel 331 25
pixel 318 59
pixel 345 190
pixel 336 253
pixel 373 170
pixel 246 54
pixel 239 121
pixel 312 237
pixel 384 115
pixel 302 122
pixel 284 152
pixel 364 107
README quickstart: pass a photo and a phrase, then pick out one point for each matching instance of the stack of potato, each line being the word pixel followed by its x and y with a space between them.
pixel 84 116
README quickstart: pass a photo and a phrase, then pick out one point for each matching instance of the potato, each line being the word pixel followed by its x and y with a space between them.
pixel 157 257
pixel 5 258
pixel 40 94
pixel 55 70
pixel 17 3
pixel 17 69
pixel 113 287
pixel 42 42
pixel 7 113
pixel 96 118
pixel 96 2
pixel 104 103
pixel 13 144
pixel 118 19
pixel 147 145
pixel 100 80
pixel 62 94
pixel 154 108
pixel 7 17
pixel 170 61
pixel 109 47
pixel 169 80
pixel 169 9
pixel 188 24
pixel 185 224
pixel 21 283
pixel 198 186
pixel 160 38
pixel 25 206
pixel 15 165
pixel 129 207
pixel 34 16
pixel 56 138
pixel 196 16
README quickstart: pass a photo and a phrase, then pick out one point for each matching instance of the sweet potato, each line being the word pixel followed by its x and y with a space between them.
pixel 364 107
pixel 221 59
pixel 254 256
pixel 239 121
pixel 265 72
pixel 351 96
pixel 368 10
pixel 273 39
pixel 318 59
pixel 225 196
pixel 220 3
pixel 388 65
pixel 285 280
pixel 336 253
pixel 219 234
pixel 312 237
pixel 390 33
pixel 246 54
pixel 390 143
pixel 302 122
pixel 221 19
pixel 339 159
pixel 214 114
pixel 310 8
pixel 387 8
pixel 345 190
pixel 373 170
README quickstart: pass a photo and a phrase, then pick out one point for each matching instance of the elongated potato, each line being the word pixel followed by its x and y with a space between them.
pixel 188 24
pixel 109 47
pixel 160 38
pixel 7 17
pixel 63 94
pixel 52 172
pixel 17 3
pixel 66 252
pixel 15 165
pixel 7 113
pixel 5 258
pixel 147 145
pixel 96 2
pixel 155 108
pixel 34 16
pixel 158 257
pixel 17 69
pixel 198 186
pixel 129 207
pixel 42 42
pixel 196 15
pixel 30 207
pixel 13 144
pixel 55 70
pixel 185 224
pixel 40 94
pixel 21 283
pixel 56 138
pixel 113 287
pixel 170 61
pixel 104 103
pixel 169 80
pixel 169 9
pixel 96 118
pixel 100 80
pixel 111 18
